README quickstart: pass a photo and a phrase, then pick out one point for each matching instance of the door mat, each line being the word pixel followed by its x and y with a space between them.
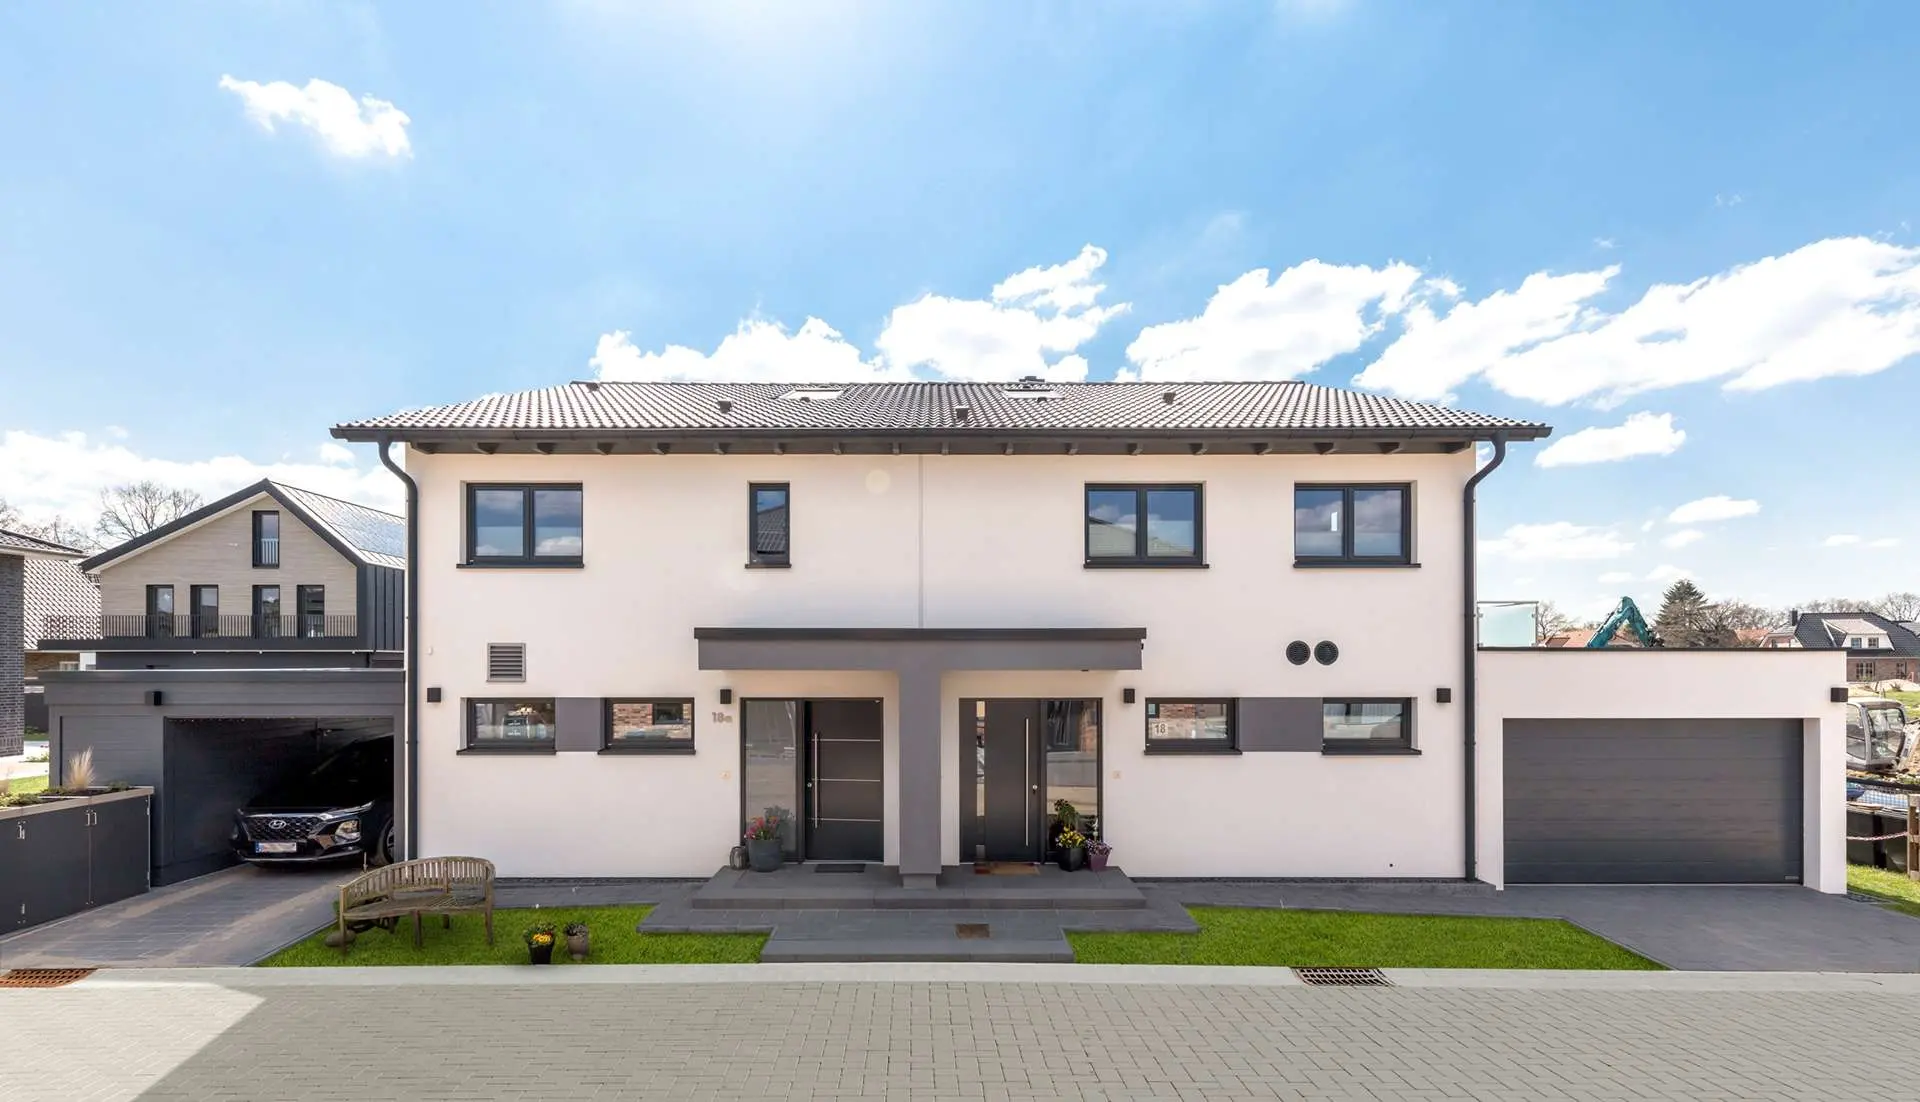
pixel 1006 868
pixel 43 977
pixel 840 866
pixel 972 931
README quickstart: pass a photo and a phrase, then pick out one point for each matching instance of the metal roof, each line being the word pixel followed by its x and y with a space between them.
pixel 612 410
pixel 1823 631
pixel 19 543
pixel 362 534
pixel 56 587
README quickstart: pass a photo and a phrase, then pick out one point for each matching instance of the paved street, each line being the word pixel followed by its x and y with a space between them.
pixel 1643 1037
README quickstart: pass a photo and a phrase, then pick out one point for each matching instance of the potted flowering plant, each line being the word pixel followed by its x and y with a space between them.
pixel 1073 850
pixel 763 840
pixel 1097 853
pixel 539 938
pixel 577 940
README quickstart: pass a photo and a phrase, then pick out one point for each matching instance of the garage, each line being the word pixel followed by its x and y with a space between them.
pixel 1653 801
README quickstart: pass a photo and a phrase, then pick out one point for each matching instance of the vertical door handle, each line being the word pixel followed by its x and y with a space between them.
pixel 814 804
pixel 1026 821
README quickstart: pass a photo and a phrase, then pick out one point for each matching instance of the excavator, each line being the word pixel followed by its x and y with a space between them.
pixel 1626 615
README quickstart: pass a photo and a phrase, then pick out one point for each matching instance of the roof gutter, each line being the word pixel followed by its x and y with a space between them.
pixel 412 847
pixel 1470 643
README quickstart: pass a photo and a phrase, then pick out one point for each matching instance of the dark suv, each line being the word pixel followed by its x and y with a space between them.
pixel 343 808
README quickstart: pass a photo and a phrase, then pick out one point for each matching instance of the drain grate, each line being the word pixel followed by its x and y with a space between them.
pixel 43 977
pixel 972 930
pixel 1342 977
pixel 842 866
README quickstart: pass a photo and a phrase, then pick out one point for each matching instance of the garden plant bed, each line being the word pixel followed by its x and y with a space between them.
pixel 1893 888
pixel 1349 939
pixel 614 939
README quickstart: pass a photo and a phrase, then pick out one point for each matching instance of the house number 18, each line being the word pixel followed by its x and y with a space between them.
pixel 723 717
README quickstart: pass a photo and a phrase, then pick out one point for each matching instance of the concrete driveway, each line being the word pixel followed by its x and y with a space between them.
pixel 235 916
pixel 1713 928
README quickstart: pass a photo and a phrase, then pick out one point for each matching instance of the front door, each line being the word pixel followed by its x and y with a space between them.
pixel 1004 763
pixel 845 808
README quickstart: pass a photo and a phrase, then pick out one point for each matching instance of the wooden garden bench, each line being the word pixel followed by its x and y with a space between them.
pixel 445 886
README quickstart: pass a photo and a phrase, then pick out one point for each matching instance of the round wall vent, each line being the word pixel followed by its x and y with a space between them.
pixel 1326 653
pixel 1298 652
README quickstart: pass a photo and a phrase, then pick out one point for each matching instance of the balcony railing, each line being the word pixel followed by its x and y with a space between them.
pixel 266 551
pixel 123 630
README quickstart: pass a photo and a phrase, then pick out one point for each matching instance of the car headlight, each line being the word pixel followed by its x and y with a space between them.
pixel 348 831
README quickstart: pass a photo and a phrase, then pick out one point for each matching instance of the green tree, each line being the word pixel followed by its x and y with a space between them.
pixel 1686 617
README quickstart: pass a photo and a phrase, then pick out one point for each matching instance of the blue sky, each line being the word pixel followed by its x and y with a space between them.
pixel 202 268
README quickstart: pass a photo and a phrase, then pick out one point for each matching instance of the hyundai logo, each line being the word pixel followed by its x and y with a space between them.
pixel 277 824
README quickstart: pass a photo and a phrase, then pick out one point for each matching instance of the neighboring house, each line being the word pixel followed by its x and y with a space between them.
pixel 1877 649
pixel 20 555
pixel 1231 622
pixel 55 590
pixel 232 646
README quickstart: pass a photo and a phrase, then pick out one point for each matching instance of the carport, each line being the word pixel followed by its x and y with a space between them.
pixel 206 740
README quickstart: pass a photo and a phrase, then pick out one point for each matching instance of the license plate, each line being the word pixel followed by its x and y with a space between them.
pixel 276 847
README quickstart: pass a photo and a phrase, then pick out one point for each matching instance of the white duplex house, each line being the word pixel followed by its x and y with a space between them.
pixel 1232 623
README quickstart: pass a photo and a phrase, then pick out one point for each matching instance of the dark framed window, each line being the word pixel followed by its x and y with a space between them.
pixel 769 537
pixel 1191 725
pixel 650 725
pixel 1159 524
pixel 206 610
pixel 159 612
pixel 1353 524
pixel 1863 671
pixel 266 539
pixel 1366 725
pixel 266 611
pixel 311 603
pixel 524 524
pixel 510 724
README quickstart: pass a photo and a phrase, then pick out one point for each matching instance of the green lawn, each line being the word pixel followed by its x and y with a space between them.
pixel 27 786
pixel 1347 939
pixel 1901 894
pixel 612 930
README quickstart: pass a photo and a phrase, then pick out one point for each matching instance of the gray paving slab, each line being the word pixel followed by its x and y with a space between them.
pixel 235 916
pixel 1715 928
pixel 941 1038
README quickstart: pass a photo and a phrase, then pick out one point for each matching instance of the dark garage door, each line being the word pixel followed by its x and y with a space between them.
pixel 1653 801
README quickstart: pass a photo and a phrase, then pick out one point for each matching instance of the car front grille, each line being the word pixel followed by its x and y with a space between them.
pixel 281 828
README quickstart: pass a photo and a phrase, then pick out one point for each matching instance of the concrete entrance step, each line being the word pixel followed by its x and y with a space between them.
pixel 878 887
pixel 1018 951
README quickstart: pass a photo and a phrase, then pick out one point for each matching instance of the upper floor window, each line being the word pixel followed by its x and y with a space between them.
pixel 768 537
pixel 206 609
pixel 1144 525
pixel 1352 524
pixel 524 524
pixel 312 603
pixel 266 538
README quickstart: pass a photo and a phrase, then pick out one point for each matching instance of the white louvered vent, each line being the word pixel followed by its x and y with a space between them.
pixel 506 661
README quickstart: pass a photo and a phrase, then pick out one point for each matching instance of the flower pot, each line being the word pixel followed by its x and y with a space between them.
pixel 1073 858
pixel 763 854
pixel 540 954
pixel 577 946
pixel 1097 861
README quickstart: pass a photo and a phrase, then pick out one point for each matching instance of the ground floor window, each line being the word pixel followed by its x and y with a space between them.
pixel 1863 671
pixel 660 725
pixel 510 724
pixel 1189 725
pixel 1361 725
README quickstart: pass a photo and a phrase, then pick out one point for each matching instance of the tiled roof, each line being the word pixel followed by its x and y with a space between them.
pixel 1816 630
pixel 57 587
pixel 1280 408
pixel 21 543
pixel 381 537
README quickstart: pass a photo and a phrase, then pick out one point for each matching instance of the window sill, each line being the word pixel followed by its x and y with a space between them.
pixel 769 566
pixel 522 564
pixel 1192 751
pixel 1351 564
pixel 643 751
pixel 1369 752
pixel 1142 564
pixel 509 751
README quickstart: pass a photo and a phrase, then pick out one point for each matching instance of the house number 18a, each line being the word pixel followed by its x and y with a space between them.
pixel 723 717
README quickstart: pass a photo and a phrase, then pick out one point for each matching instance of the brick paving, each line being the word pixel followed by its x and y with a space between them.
pixel 956 1040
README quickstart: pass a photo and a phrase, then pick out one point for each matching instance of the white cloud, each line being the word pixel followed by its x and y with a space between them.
pixel 1556 540
pixel 1667 572
pixel 335 453
pixel 1683 537
pixel 63 475
pixel 1615 577
pixel 1884 541
pixel 1030 315
pixel 1642 434
pixel 1603 243
pixel 1842 540
pixel 1840 306
pixel 1256 329
pixel 1717 507
pixel 1438 352
pixel 349 128
pixel 1031 324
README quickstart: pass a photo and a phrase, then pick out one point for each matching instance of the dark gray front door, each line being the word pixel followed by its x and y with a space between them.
pixel 1008 782
pixel 844 793
pixel 1658 801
